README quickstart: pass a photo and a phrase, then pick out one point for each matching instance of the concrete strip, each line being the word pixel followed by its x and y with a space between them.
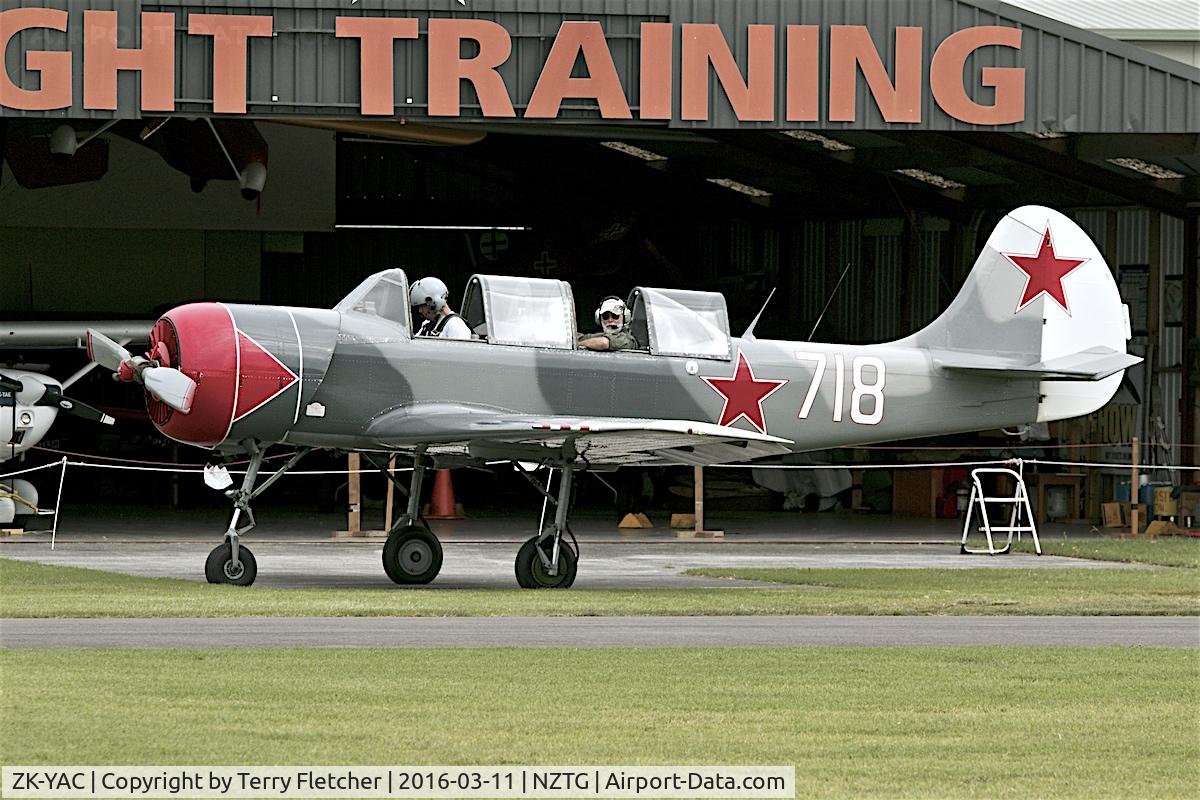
pixel 642 565
pixel 599 632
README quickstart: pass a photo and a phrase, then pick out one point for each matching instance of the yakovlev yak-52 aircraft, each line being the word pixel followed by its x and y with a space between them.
pixel 1037 333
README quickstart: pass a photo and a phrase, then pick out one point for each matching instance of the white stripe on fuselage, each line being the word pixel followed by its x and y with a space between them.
pixel 300 381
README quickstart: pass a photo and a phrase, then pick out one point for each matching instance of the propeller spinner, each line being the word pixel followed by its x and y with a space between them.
pixel 152 370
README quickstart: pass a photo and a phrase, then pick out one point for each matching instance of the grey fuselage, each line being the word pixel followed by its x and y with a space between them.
pixel 365 384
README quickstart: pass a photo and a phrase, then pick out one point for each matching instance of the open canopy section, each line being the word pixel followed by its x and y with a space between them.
pixel 678 322
pixel 527 312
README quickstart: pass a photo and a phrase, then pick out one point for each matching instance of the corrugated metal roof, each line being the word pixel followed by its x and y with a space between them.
pixel 1182 16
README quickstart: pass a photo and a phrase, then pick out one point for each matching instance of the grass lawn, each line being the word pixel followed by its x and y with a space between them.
pixel 1167 551
pixel 36 590
pixel 960 722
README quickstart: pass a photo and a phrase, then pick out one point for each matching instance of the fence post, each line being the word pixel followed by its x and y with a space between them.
pixel 1134 497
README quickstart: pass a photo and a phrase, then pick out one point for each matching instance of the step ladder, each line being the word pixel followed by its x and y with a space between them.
pixel 1019 503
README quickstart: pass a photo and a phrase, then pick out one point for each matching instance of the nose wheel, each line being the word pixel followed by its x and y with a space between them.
pixel 231 562
pixel 222 568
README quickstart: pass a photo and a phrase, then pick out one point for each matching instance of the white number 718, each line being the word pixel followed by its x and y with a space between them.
pixel 859 390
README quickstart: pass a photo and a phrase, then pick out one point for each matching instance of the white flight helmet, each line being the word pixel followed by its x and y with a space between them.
pixel 611 305
pixel 431 293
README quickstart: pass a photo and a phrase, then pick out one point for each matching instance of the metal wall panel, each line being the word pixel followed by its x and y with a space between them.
pixel 1075 80
pixel 1095 224
pixel 812 280
pixel 848 304
pixel 1133 237
pixel 1170 380
pixel 926 299
pixel 887 284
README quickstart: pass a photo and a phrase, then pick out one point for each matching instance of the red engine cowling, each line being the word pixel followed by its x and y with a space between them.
pixel 201 341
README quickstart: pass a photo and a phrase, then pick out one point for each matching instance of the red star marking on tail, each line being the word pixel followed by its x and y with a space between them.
pixel 743 394
pixel 1044 273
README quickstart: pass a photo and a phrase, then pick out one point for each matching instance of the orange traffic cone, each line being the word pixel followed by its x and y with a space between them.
pixel 442 505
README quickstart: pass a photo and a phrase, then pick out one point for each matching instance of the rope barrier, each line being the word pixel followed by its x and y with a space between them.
pixel 28 470
pixel 1001 447
pixel 190 471
pixel 851 465
pixel 145 462
pixel 64 462
pixel 181 470
pixel 1141 467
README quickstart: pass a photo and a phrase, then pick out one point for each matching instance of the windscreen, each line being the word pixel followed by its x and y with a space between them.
pixel 383 295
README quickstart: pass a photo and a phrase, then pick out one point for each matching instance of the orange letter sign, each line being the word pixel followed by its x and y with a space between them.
pixel 850 47
pixel 54 67
pixel 447 67
pixel 654 94
pixel 378 67
pixel 230 33
pixel 754 99
pixel 803 72
pixel 102 58
pixel 946 77
pixel 556 82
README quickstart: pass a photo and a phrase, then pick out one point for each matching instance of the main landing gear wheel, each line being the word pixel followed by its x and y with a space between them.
pixel 412 555
pixel 220 567
pixel 533 574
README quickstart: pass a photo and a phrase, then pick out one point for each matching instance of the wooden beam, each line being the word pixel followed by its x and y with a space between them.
pixel 354 496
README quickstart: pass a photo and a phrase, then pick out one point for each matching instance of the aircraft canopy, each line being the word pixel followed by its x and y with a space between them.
pixel 678 322
pixel 528 312
pixel 384 295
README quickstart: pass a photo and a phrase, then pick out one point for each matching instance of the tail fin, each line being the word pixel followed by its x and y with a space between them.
pixel 1040 303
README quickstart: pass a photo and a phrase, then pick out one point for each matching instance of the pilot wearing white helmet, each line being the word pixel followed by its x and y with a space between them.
pixel 613 319
pixel 431 299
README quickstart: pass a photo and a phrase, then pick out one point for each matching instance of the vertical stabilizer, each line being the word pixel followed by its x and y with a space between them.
pixel 1040 299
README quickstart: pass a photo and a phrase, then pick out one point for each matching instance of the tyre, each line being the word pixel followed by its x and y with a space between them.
pixel 532 574
pixel 219 568
pixel 412 555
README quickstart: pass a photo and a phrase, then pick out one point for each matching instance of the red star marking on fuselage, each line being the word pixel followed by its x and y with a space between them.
pixel 1044 273
pixel 743 394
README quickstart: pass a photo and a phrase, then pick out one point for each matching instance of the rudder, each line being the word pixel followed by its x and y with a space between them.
pixel 1040 301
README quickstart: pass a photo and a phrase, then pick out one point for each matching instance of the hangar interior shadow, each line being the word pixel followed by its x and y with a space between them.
pixel 902 214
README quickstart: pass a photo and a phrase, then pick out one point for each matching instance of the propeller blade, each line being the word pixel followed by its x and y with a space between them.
pixel 104 351
pixel 11 384
pixel 55 398
pixel 171 386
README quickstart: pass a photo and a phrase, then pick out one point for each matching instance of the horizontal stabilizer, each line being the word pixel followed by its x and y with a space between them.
pixel 1093 364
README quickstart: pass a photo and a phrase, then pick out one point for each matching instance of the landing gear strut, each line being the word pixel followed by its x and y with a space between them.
pixel 412 554
pixel 230 562
pixel 548 561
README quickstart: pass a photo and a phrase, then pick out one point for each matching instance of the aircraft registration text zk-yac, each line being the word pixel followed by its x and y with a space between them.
pixel 790 74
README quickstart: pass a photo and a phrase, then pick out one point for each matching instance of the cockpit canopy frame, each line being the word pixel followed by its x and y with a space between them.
pixel 524 312
pixel 681 322
pixel 383 295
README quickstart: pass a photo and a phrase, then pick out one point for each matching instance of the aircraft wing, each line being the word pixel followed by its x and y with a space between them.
pixel 1093 364
pixel 71 334
pixel 608 441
